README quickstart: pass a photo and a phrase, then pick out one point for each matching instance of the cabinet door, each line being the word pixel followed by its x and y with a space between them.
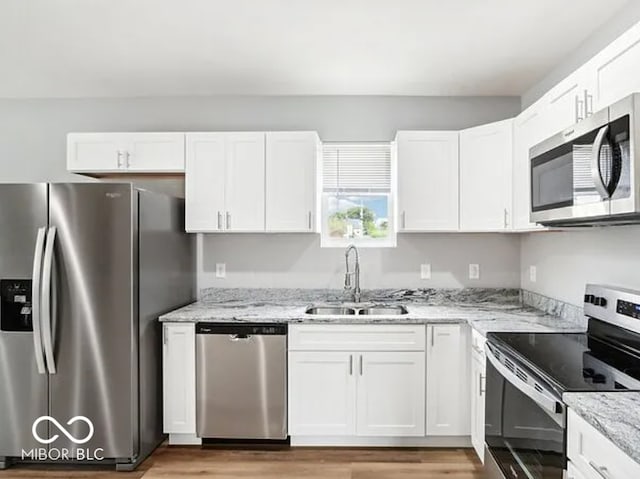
pixel 478 376
pixel 205 182
pixel 179 378
pixel 527 131
pixel 614 72
pixel 322 393
pixel 448 405
pixel 563 105
pixel 95 152
pixel 291 181
pixel 486 154
pixel 427 180
pixel 244 191
pixel 155 152
pixel 391 395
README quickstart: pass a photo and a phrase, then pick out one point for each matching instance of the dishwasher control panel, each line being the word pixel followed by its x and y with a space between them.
pixel 248 329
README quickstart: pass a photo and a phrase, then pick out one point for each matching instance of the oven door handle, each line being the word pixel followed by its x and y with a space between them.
pixel 549 403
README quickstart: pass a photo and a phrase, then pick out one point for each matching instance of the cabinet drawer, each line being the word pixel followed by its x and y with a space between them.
pixel 477 344
pixel 359 337
pixel 594 455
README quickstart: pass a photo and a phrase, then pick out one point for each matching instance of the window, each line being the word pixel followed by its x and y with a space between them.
pixel 358 195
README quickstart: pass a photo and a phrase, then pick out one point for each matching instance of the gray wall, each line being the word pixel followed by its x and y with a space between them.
pixel 613 28
pixel 297 261
pixel 32 148
pixel 566 261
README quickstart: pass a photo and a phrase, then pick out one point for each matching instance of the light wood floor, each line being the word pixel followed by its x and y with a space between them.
pixel 297 463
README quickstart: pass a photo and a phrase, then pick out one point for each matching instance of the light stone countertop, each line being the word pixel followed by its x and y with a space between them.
pixel 486 310
pixel 616 415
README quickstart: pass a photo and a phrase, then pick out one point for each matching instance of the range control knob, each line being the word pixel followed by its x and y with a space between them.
pixel 600 302
pixel 588 373
pixel 589 298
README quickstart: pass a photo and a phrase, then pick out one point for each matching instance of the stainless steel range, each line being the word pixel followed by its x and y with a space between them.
pixel 527 373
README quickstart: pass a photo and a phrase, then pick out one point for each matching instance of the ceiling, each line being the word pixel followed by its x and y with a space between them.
pixel 109 48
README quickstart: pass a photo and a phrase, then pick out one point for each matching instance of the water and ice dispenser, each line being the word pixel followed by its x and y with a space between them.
pixel 15 305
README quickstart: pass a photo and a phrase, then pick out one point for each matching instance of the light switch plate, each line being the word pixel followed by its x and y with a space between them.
pixel 425 271
pixel 533 273
pixel 221 270
pixel 474 271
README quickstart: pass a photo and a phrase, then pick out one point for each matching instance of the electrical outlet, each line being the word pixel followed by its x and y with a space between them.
pixel 425 271
pixel 532 273
pixel 474 271
pixel 221 270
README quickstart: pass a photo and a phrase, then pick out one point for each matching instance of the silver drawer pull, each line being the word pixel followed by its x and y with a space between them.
pixel 601 470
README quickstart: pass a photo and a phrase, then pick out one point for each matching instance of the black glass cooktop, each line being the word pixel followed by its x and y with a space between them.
pixel 594 361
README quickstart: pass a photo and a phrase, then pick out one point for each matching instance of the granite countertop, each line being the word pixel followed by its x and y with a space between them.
pixel 487 310
pixel 616 415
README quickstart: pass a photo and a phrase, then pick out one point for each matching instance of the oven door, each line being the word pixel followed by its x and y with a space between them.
pixel 525 422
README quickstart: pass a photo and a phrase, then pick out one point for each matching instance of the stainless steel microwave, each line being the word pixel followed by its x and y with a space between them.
pixel 589 174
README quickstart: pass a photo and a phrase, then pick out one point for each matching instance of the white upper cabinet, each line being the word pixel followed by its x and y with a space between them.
pixel 448 398
pixel 527 131
pixel 204 182
pixel 291 181
pixel 565 104
pixel 615 72
pixel 244 189
pixel 486 154
pixel 427 180
pixel 224 182
pixel 103 153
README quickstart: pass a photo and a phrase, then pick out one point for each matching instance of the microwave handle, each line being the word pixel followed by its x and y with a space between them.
pixel 542 399
pixel 595 164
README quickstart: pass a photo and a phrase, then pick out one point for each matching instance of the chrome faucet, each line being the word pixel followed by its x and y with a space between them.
pixel 355 289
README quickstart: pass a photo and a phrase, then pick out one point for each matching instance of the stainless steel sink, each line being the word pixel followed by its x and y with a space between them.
pixel 330 310
pixel 384 310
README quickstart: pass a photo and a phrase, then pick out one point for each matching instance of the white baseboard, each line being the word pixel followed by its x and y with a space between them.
pixel 184 440
pixel 365 441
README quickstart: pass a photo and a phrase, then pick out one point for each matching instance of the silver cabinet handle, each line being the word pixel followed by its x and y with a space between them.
pixel 35 299
pixel 601 470
pixel 228 220
pixel 579 109
pixel 219 220
pixel 351 365
pixel 119 159
pixel 481 390
pixel 404 220
pixel 127 156
pixel 361 367
pixel 588 104
pixel 47 330
pixel 309 220
pixel 506 218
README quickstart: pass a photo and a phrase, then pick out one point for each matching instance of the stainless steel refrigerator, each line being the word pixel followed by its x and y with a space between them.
pixel 85 270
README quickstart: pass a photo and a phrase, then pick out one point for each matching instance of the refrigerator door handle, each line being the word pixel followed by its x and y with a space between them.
pixel 47 330
pixel 36 307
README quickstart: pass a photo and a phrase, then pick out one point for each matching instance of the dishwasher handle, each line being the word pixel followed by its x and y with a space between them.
pixel 242 331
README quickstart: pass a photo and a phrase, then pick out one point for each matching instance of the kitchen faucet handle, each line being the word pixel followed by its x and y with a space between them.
pixel 347 280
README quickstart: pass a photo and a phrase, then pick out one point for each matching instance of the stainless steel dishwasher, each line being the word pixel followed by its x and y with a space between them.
pixel 241 381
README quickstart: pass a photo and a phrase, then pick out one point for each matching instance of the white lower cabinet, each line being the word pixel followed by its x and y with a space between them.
pixel 322 393
pixel 355 393
pixel 179 379
pixel 391 394
pixel 593 455
pixel 447 380
pixel 478 385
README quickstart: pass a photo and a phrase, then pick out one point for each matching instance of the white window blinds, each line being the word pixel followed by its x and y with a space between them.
pixel 356 168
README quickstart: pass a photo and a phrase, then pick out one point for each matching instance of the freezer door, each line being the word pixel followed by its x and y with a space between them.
pixel 23 391
pixel 94 295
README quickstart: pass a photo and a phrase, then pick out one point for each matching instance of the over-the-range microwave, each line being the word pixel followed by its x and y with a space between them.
pixel 589 174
